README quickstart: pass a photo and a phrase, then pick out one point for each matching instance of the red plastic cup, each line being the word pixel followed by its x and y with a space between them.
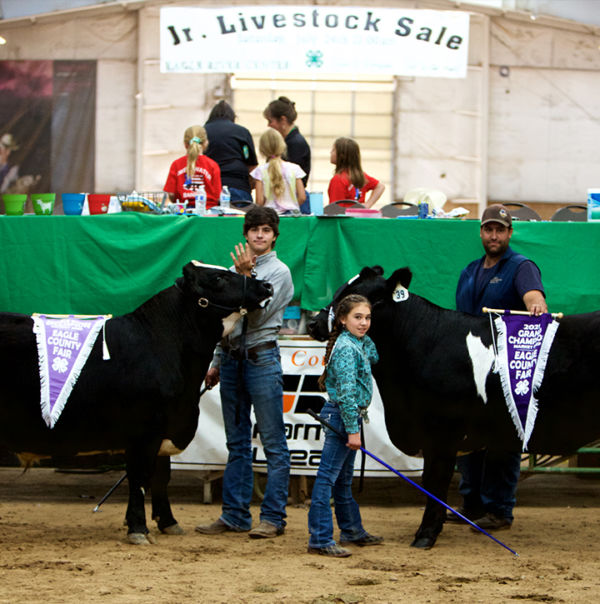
pixel 98 203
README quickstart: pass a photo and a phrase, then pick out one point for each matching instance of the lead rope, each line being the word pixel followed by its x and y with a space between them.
pixel 363 458
pixel 241 360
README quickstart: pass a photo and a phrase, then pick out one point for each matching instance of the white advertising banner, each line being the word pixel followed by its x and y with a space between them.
pixel 302 363
pixel 314 39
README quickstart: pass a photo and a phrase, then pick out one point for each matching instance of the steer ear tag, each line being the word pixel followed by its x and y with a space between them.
pixel 330 319
pixel 400 293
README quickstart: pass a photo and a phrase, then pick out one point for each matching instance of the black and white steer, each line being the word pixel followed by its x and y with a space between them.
pixel 441 396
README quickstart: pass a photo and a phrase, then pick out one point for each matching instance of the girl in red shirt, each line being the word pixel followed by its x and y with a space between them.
pixel 193 170
pixel 349 181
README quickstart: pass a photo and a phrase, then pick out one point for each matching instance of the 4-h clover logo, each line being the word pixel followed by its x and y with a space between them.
pixel 522 387
pixel 314 58
pixel 59 364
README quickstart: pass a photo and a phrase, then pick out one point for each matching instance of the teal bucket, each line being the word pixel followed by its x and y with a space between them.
pixel 73 203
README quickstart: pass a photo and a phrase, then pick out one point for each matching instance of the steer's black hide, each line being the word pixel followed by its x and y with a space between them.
pixel 425 376
pixel 146 393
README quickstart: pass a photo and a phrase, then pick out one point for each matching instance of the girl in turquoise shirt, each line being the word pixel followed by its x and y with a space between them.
pixel 347 378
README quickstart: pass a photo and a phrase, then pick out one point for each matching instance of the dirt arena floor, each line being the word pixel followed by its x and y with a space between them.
pixel 54 549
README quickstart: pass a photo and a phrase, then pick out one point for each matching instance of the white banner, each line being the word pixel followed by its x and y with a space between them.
pixel 314 39
pixel 302 363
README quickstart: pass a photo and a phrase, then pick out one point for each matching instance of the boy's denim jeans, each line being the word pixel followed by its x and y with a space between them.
pixel 262 389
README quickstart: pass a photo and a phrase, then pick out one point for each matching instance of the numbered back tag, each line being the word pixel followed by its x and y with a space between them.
pixel 400 293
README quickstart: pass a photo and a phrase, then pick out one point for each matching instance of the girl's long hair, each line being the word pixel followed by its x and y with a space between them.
pixel 194 137
pixel 347 159
pixel 272 146
pixel 344 308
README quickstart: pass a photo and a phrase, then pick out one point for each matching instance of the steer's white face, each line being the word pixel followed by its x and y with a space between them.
pixel 229 323
pixel 196 263
pixel 482 359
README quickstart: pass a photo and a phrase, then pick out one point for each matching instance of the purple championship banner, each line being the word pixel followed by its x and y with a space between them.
pixel 64 345
pixel 523 346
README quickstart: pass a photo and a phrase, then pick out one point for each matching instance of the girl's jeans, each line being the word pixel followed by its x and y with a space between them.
pixel 334 478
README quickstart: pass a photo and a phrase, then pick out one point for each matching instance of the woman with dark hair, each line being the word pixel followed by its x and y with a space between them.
pixel 232 147
pixel 281 115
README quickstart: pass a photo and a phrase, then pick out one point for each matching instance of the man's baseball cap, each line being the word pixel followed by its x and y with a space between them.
pixel 497 213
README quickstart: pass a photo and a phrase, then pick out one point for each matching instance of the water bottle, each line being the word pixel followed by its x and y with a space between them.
pixel 201 201
pixel 225 200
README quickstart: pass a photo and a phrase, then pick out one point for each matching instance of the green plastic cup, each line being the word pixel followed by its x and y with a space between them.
pixel 43 203
pixel 14 203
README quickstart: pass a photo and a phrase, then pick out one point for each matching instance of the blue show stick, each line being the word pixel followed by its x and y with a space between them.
pixel 414 484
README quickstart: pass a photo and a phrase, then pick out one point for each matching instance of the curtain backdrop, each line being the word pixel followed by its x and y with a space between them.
pixel 47 117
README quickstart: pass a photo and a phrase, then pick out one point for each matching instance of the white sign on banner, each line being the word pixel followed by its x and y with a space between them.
pixel 314 39
pixel 302 364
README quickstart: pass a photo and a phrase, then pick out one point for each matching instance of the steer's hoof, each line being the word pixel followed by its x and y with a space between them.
pixel 140 539
pixel 174 529
pixel 423 542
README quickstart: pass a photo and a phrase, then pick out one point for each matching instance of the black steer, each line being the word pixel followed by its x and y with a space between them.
pixel 144 400
pixel 441 396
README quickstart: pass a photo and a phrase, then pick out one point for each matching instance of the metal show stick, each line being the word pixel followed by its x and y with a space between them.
pixel 414 484
pixel 500 311
pixel 122 478
pixel 110 492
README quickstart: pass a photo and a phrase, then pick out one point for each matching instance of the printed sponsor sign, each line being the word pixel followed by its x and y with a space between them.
pixel 302 363
pixel 314 39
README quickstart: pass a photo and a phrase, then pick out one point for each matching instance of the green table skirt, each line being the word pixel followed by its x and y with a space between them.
pixel 112 263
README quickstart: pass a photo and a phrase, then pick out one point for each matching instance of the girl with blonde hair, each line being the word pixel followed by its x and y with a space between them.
pixel 278 182
pixel 188 173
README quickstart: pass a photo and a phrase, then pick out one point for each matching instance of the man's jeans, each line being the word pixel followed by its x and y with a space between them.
pixel 261 388
pixel 334 477
pixel 489 481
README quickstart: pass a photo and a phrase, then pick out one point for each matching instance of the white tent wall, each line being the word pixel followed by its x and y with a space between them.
pixel 167 105
pixel 544 122
pixel 523 125
pixel 115 126
pixel 441 127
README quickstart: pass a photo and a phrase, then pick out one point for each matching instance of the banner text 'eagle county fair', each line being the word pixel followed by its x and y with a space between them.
pixel 314 39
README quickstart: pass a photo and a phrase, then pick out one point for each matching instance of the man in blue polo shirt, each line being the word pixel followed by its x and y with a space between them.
pixel 500 279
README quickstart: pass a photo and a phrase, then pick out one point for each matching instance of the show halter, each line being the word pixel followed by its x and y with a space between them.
pixel 204 302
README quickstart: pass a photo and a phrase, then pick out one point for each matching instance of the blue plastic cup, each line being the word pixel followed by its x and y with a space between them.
pixel 73 203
